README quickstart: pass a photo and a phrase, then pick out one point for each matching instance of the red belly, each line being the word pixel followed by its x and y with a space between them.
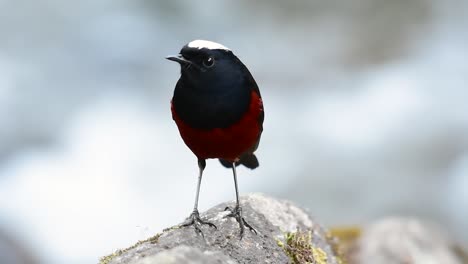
pixel 225 143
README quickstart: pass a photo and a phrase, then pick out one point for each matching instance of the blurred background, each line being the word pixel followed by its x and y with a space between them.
pixel 365 100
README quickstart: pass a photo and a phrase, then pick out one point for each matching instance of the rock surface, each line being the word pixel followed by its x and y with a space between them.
pixel 406 240
pixel 278 224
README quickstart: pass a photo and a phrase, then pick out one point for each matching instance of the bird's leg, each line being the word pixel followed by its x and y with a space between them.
pixel 194 218
pixel 237 211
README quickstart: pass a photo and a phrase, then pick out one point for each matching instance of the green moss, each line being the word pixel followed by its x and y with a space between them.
pixel 346 234
pixel 342 239
pixel 319 255
pixel 107 259
pixel 337 248
pixel 298 246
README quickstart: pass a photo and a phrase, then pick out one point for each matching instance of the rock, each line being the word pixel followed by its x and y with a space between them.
pixel 405 240
pixel 286 233
pixel 186 254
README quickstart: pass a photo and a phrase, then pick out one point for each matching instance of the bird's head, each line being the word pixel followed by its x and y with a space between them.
pixel 208 64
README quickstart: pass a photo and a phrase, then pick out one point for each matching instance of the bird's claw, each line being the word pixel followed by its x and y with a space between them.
pixel 237 214
pixel 195 220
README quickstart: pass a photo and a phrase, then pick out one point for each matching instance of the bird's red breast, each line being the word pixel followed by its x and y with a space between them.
pixel 226 143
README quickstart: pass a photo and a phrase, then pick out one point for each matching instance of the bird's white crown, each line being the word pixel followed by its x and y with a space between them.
pixel 206 44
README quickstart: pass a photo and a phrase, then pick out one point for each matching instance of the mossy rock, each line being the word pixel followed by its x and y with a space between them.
pixel 274 220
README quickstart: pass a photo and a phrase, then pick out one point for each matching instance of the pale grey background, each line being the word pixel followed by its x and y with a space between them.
pixel 366 115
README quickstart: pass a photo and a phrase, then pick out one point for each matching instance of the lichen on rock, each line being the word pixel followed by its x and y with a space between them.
pixel 298 246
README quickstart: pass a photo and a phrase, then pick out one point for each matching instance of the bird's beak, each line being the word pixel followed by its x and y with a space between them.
pixel 180 59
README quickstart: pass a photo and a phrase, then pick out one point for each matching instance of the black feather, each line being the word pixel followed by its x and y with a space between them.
pixel 248 160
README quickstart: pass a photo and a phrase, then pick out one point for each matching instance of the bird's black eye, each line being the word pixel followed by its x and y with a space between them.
pixel 208 62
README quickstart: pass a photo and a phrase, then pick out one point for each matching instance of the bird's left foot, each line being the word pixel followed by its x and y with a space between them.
pixel 237 214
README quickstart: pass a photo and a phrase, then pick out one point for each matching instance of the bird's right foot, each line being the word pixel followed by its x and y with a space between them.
pixel 195 220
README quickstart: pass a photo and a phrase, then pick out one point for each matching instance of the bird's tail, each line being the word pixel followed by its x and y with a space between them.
pixel 248 160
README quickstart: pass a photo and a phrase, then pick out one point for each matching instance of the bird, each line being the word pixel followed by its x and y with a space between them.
pixel 218 109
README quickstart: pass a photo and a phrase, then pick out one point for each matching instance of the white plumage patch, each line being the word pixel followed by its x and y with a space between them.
pixel 206 44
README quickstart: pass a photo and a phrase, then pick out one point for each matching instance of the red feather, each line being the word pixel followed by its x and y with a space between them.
pixel 225 143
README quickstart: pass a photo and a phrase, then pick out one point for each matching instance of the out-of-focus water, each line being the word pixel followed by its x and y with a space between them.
pixel 365 115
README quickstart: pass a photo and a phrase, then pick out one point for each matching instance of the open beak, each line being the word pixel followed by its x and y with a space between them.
pixel 180 59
